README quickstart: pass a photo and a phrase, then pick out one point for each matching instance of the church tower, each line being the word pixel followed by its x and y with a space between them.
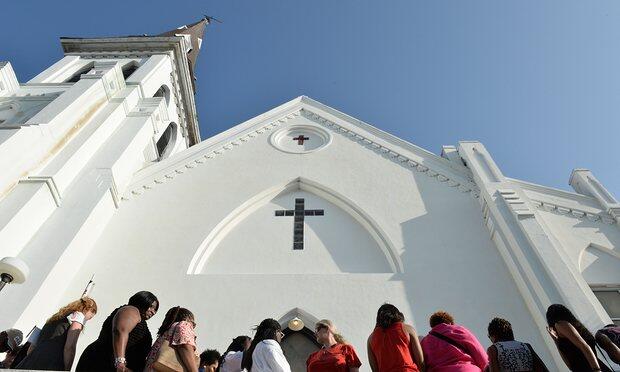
pixel 301 213
pixel 72 137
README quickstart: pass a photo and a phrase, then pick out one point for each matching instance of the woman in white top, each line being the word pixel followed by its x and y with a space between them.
pixel 231 359
pixel 265 353
pixel 508 355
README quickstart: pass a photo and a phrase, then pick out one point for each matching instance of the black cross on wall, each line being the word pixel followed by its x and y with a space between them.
pixel 300 139
pixel 299 214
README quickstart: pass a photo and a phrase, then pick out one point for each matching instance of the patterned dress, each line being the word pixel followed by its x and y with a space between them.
pixel 179 333
pixel 514 356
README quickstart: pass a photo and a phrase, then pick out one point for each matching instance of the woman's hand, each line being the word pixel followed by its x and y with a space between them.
pixel 122 368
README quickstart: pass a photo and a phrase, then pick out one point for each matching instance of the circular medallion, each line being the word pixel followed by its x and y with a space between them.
pixel 300 139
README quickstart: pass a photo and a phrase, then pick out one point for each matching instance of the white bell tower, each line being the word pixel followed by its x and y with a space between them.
pixel 72 138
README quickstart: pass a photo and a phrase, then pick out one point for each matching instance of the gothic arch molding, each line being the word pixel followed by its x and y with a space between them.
pixel 208 245
pixel 595 247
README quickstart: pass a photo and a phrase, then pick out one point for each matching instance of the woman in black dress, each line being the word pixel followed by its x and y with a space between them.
pixel 575 343
pixel 125 339
pixel 55 347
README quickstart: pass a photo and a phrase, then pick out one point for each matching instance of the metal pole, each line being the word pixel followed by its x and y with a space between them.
pixel 5 279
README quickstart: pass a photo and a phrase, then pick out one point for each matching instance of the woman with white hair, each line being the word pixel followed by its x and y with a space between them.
pixel 336 355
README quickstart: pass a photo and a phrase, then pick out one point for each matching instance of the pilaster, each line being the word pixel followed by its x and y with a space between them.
pixel 8 80
pixel 59 69
pixel 56 251
pixel 584 182
pixel 534 257
pixel 56 124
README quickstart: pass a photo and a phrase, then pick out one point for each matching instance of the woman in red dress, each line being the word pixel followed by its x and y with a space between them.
pixel 393 346
pixel 336 355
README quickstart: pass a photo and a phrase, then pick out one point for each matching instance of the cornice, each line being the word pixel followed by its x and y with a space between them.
pixel 216 150
pixel 550 191
pixel 338 116
pixel 573 212
pixel 394 154
pixel 220 148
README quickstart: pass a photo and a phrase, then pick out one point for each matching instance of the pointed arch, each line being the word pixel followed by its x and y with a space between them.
pixel 297 345
pixel 165 143
pixel 599 265
pixel 229 222
pixel 308 319
pixel 595 247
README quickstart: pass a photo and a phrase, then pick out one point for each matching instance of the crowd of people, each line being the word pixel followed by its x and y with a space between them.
pixel 125 344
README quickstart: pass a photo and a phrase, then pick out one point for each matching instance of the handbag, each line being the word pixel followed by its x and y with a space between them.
pixel 168 359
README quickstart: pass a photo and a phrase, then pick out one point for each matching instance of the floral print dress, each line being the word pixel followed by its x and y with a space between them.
pixel 179 333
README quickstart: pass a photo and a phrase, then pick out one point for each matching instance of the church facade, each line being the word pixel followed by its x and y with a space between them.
pixel 301 212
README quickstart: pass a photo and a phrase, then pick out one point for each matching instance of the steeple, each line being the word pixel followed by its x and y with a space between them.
pixel 180 45
pixel 195 31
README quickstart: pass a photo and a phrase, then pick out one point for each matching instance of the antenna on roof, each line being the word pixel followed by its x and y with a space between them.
pixel 209 19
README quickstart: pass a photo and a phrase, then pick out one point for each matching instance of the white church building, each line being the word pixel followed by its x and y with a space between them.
pixel 301 212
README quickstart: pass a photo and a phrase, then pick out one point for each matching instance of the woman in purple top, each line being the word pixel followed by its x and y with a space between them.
pixel 452 348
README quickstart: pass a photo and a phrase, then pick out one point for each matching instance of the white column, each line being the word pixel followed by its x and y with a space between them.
pixel 57 249
pixel 38 193
pixel 61 68
pixel 8 80
pixel 45 134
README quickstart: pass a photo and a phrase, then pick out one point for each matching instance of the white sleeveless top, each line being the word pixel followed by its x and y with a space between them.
pixel 514 356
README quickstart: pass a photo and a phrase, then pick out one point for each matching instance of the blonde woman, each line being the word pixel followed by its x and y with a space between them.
pixel 55 347
pixel 336 355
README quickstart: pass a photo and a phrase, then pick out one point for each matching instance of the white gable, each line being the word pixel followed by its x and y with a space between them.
pixel 217 228
pixel 399 225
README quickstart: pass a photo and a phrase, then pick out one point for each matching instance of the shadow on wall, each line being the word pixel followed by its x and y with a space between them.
pixel 599 265
pixel 451 264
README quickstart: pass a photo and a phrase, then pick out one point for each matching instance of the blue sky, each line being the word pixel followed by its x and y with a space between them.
pixel 538 82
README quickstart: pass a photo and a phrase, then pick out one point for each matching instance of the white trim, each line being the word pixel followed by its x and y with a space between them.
pixel 409 156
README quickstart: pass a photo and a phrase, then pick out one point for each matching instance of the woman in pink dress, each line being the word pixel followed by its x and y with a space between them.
pixel 178 329
pixel 452 348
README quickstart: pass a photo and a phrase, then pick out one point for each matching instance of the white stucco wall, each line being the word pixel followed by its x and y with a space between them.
pixel 436 233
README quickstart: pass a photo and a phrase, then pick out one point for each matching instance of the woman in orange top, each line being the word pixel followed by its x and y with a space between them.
pixel 336 355
pixel 393 346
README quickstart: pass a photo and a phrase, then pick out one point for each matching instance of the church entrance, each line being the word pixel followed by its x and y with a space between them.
pixel 297 346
